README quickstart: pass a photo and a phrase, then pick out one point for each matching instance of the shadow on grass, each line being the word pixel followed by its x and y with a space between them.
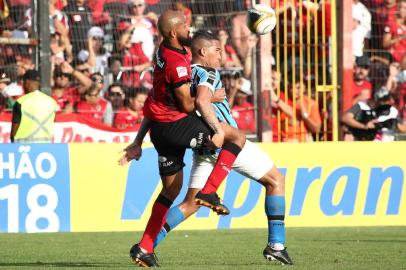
pixel 56 264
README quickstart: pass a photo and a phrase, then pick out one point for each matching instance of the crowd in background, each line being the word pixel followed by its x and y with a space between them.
pixel 102 54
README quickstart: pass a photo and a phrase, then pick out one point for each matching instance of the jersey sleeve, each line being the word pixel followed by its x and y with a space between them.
pixel 355 109
pixel 178 74
pixel 208 78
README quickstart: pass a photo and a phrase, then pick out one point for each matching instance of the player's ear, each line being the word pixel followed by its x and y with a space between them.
pixel 203 51
pixel 172 33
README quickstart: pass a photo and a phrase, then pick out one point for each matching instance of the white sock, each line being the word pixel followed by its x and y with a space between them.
pixel 277 246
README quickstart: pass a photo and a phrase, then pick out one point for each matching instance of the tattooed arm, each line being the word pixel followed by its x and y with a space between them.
pixel 203 105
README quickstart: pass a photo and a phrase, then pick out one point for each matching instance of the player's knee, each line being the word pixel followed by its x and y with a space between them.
pixel 171 191
pixel 274 180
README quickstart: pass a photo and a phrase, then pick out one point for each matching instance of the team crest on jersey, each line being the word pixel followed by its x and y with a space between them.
pixel 182 71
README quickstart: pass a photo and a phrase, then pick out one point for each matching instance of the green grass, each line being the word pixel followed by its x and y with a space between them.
pixel 310 248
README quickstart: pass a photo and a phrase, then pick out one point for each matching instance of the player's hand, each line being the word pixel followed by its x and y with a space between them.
pixel 133 151
pixel 217 140
pixel 219 95
pixel 370 124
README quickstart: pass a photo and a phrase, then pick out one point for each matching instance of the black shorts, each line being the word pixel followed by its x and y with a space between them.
pixel 172 138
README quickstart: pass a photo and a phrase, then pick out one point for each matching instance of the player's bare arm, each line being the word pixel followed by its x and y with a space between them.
pixel 185 101
pixel 203 105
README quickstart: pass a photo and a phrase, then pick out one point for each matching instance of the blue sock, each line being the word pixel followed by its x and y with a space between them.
pixel 275 211
pixel 174 218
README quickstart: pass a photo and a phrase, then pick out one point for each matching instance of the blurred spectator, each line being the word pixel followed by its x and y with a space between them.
pixel 242 110
pixel 360 121
pixel 229 57
pixel 132 114
pixel 95 107
pixel 240 31
pixel 114 74
pixel 17 10
pixel 79 78
pixel 4 82
pixel 98 56
pixel 306 120
pixel 79 15
pixel 98 79
pixel 395 33
pixel 64 95
pixel 134 60
pixel 115 94
pixel 382 12
pixel 9 91
pixel 143 31
pixel 180 6
pixel 388 121
pixel 361 28
pixel 60 48
pixel 362 88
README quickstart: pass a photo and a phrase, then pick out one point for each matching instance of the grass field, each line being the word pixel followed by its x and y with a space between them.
pixel 310 248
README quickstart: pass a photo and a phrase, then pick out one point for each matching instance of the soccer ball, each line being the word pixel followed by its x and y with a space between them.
pixel 261 19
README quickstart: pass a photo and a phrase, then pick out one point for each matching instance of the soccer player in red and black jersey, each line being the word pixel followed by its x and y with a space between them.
pixel 174 126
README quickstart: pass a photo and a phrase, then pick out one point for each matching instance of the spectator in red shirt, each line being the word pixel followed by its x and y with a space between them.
pixel 64 95
pixel 64 91
pixel 382 11
pixel 362 88
pixel 95 107
pixel 132 114
pixel 394 38
pixel 243 110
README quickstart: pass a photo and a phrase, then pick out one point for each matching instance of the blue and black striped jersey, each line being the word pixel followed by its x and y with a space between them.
pixel 210 78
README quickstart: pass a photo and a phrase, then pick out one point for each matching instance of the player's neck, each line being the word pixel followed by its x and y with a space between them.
pixel 198 61
pixel 173 43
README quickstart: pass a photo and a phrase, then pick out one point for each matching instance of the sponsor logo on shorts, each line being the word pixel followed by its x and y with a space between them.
pixel 163 162
pixel 200 139
pixel 193 143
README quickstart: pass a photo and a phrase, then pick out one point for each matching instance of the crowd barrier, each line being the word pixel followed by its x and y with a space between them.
pixel 81 187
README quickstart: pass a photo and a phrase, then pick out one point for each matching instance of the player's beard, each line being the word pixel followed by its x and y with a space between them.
pixel 185 41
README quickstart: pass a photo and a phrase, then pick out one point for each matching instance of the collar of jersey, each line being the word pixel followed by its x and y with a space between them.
pixel 175 49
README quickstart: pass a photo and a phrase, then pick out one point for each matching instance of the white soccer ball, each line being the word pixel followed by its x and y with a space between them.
pixel 261 19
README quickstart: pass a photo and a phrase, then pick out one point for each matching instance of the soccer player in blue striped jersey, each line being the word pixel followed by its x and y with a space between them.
pixel 205 60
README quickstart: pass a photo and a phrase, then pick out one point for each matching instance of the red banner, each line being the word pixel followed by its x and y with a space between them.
pixel 72 128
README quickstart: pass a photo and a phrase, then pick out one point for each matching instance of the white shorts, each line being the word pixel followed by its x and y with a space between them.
pixel 252 162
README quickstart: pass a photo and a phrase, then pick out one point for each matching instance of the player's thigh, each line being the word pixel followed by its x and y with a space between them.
pixel 188 132
pixel 202 165
pixel 253 162
pixel 170 159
